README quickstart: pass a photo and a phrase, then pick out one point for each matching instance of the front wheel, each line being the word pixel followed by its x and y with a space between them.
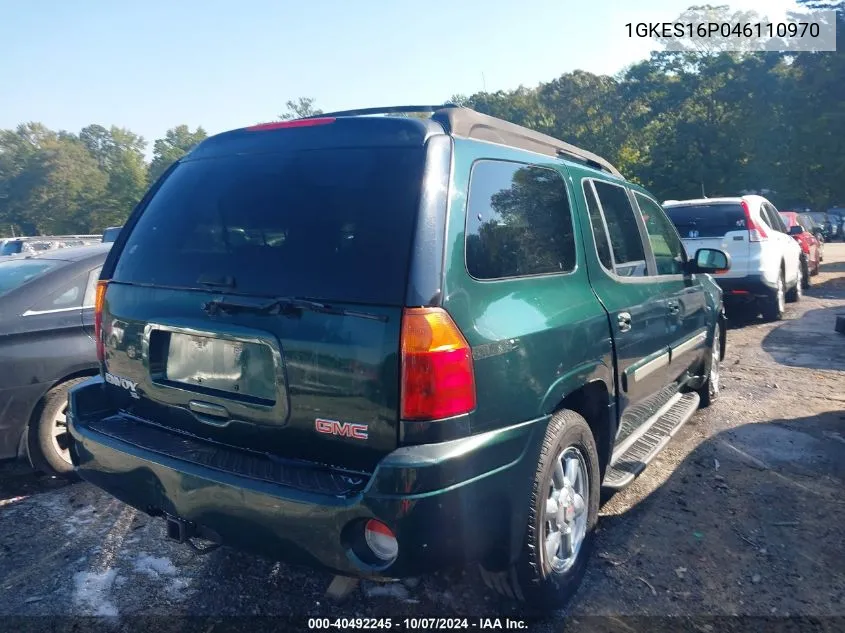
pixel 563 510
pixel 797 293
pixel 805 273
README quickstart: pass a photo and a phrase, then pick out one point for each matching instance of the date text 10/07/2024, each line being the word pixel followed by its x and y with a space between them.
pixel 413 624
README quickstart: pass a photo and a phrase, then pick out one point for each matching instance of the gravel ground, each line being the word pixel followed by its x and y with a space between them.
pixel 742 514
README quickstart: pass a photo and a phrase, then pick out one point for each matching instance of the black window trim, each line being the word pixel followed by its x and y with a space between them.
pixel 651 266
pixel 658 276
pixel 571 220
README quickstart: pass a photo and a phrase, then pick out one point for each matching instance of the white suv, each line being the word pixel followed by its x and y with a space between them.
pixel 765 260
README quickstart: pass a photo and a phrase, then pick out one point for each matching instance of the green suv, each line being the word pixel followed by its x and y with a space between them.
pixel 381 345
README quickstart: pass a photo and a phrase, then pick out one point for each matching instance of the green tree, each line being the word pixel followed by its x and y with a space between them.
pixel 120 154
pixel 177 142
pixel 302 107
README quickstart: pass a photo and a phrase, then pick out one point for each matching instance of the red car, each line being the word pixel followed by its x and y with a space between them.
pixel 810 246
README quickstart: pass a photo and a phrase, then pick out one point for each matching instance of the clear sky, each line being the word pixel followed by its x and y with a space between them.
pixel 152 64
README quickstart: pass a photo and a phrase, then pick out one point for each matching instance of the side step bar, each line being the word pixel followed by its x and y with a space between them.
pixel 637 454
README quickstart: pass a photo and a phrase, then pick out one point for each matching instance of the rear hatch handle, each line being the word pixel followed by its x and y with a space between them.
pixel 209 413
pixel 285 306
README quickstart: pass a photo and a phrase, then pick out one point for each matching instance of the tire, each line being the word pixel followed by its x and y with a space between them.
pixel 45 451
pixel 709 391
pixel 805 273
pixel 544 584
pixel 774 306
pixel 797 293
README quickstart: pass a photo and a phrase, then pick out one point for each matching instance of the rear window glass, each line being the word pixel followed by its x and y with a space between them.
pixel 331 224
pixel 11 248
pixel 17 272
pixel 707 220
pixel 518 222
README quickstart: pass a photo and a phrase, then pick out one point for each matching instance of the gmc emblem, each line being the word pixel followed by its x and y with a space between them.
pixel 344 429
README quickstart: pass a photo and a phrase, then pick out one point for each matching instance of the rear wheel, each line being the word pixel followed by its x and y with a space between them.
pixel 50 439
pixel 774 306
pixel 562 515
pixel 709 391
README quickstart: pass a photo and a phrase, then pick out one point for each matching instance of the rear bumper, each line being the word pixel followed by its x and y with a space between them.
pixel 748 287
pixel 447 503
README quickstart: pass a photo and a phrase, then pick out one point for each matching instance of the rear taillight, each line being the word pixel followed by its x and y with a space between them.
pixel 280 125
pixel 99 299
pixel 437 373
pixel 756 232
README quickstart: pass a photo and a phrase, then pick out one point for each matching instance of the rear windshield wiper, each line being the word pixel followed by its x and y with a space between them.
pixel 286 306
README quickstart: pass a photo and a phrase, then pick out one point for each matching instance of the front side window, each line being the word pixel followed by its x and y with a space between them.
pixel 519 222
pixel 625 240
pixel 665 244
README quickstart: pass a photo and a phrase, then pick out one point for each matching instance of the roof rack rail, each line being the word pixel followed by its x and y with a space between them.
pixel 466 122
pixel 384 110
pixel 471 124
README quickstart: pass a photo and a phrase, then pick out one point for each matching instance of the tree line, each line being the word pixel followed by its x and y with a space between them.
pixel 683 124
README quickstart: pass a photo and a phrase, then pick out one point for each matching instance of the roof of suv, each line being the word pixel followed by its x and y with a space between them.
pixel 454 120
pixel 70 254
pixel 706 201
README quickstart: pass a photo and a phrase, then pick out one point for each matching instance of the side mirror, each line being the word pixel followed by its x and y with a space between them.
pixel 710 260
pixel 796 230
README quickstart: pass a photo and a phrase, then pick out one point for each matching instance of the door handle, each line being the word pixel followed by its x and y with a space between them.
pixel 624 321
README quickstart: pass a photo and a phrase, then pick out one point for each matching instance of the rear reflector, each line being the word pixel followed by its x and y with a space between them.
pixel 756 233
pixel 437 373
pixel 279 125
pixel 99 300
pixel 738 292
pixel 381 541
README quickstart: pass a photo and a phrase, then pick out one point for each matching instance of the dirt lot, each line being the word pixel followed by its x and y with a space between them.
pixel 741 514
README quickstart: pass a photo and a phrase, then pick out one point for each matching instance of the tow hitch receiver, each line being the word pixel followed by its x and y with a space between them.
pixel 177 529
pixel 183 531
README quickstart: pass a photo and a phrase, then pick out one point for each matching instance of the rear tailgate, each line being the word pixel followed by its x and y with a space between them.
pixel 257 301
pixel 720 225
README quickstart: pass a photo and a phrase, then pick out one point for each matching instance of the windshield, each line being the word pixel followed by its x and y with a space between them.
pixel 707 220
pixel 329 224
pixel 16 272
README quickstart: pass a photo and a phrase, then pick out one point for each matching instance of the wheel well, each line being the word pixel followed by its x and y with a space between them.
pixel 592 401
pixel 23 444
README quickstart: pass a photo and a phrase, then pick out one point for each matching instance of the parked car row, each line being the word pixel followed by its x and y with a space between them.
pixel 27 245
pixel 772 254
pixel 46 347
pixel 352 341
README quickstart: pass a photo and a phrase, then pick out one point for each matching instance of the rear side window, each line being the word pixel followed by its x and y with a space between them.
pixel 518 222
pixel 625 240
pixel 707 220
pixel 17 272
pixel 67 297
pixel 333 224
